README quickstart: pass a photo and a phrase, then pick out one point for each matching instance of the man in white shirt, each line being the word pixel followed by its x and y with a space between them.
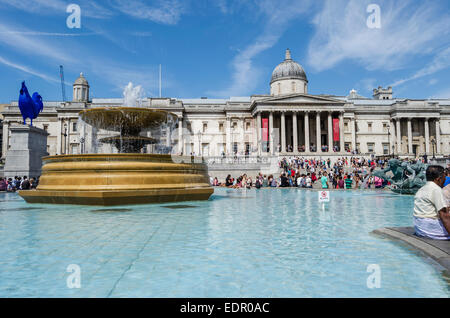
pixel 308 181
pixel 431 214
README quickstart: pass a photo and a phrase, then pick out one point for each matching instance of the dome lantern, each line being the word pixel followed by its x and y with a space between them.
pixel 81 89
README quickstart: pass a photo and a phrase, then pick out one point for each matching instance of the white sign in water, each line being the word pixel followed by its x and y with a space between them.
pixel 324 196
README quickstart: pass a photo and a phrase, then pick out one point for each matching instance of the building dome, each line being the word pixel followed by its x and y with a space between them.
pixel 81 89
pixel 288 78
pixel 81 80
pixel 288 69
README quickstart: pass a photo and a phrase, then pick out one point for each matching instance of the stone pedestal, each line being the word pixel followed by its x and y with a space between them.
pixel 28 146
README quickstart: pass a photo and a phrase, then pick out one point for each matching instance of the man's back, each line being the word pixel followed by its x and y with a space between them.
pixel 428 201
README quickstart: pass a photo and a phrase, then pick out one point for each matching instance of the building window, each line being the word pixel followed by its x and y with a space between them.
pixel 369 127
pixel 235 147
pixel 385 127
pixel 205 150
pixel 205 127
pixel 385 149
pixel 189 127
pixel 347 146
pixel 247 126
pixel 346 126
pixel 74 127
pixel 370 147
pixel 45 127
pixel 234 125
pixel 221 127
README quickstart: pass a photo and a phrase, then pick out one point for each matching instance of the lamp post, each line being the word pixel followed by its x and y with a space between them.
pixel 433 143
pixel 82 140
pixel 65 138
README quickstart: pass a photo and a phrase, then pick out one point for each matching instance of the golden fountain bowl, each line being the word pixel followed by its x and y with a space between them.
pixel 126 118
pixel 120 179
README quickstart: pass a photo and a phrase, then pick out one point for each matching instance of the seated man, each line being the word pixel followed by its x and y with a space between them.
pixel 431 215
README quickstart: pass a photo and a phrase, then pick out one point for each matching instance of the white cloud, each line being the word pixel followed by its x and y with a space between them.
pixel 278 16
pixel 407 29
pixel 89 8
pixel 27 70
pixel 21 42
pixel 166 12
pixel 439 62
pixel 37 6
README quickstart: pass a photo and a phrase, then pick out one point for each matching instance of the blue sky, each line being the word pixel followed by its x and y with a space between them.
pixel 220 48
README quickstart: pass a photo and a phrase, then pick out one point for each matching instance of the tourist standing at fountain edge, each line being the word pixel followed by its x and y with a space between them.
pixel 431 212
pixel 324 181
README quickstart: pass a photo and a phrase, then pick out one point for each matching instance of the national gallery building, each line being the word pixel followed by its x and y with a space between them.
pixel 288 122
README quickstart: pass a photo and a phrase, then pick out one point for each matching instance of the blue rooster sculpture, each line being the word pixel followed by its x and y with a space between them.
pixel 30 107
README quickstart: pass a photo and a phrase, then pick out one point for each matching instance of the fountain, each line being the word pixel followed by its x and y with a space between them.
pixel 407 178
pixel 127 177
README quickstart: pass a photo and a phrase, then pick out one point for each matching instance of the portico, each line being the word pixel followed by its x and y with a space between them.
pixel 300 124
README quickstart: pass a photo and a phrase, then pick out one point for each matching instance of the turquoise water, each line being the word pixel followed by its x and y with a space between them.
pixel 254 243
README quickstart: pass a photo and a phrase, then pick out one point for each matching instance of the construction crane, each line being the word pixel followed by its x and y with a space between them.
pixel 63 87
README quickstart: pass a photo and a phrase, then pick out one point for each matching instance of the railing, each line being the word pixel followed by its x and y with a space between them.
pixel 238 159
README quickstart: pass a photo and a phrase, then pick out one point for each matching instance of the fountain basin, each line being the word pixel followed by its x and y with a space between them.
pixel 120 179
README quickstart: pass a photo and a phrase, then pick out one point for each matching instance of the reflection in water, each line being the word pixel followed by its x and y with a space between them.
pixel 179 206
pixel 112 210
pixel 24 209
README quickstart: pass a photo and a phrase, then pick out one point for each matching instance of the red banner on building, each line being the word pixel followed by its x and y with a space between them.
pixel 335 129
pixel 265 129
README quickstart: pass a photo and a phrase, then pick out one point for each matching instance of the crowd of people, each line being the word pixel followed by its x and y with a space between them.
pixel 345 173
pixel 18 183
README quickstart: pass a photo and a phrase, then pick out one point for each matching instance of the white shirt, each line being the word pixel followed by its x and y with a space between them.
pixel 429 200
pixel 308 181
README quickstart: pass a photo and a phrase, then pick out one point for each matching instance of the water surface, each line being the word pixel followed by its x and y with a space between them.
pixel 240 243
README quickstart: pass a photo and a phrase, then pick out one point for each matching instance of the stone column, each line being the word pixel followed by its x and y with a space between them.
pixel 59 138
pixel 180 135
pixel 5 140
pixel 399 136
pixel 168 136
pixel 330 133
pixel 271 147
pixel 258 133
pixel 307 149
pixel 318 133
pixel 294 129
pixel 353 128
pixel 392 136
pixel 283 132
pixel 427 136
pixel 243 136
pixel 341 132
pixel 438 137
pixel 228 137
pixel 410 148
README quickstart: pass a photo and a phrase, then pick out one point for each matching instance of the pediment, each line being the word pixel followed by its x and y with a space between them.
pixel 300 99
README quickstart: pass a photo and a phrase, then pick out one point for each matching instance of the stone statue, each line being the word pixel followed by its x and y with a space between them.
pixel 407 178
pixel 30 107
